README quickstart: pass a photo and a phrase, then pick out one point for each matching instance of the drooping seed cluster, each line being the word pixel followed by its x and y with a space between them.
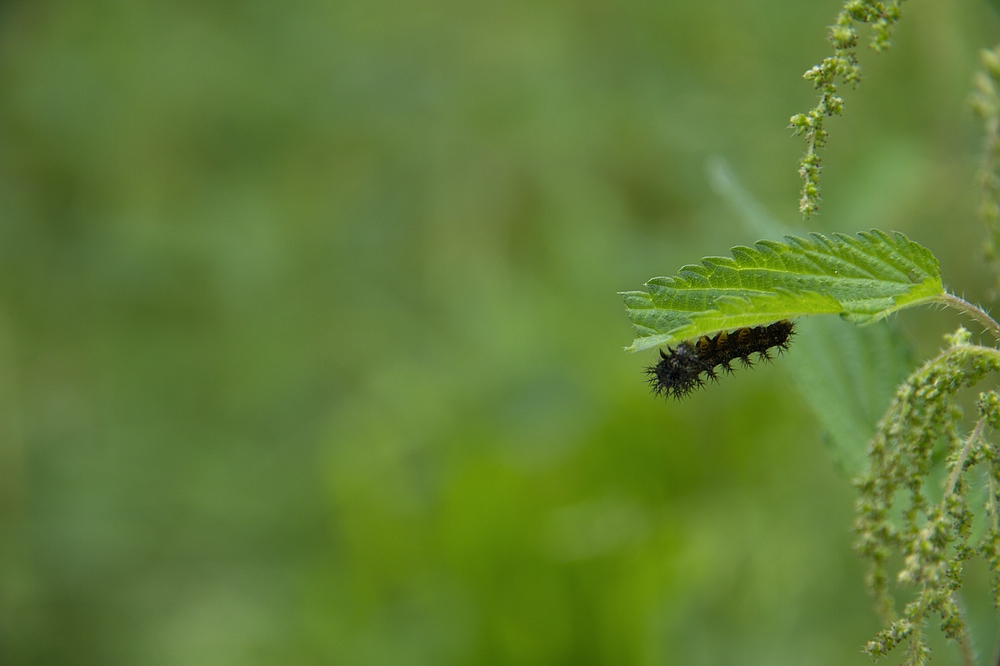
pixel 680 371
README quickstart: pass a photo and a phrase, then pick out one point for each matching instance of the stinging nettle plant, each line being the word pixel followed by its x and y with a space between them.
pixel 933 525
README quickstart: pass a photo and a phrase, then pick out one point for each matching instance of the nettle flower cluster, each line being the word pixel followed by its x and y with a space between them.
pixel 934 532
pixel 842 65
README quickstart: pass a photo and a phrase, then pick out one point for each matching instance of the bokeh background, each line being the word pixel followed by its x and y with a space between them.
pixel 310 346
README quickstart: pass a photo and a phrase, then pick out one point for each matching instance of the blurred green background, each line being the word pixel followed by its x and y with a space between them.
pixel 310 347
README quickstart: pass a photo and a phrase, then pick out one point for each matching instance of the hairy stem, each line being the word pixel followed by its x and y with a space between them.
pixel 974 311
pixel 965 644
pixel 993 510
pixel 956 471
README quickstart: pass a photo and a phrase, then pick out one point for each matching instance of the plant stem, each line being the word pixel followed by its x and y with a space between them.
pixel 968 654
pixel 974 311
pixel 965 645
pixel 956 471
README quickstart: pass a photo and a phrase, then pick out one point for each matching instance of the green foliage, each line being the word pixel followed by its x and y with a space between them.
pixel 842 65
pixel 934 537
pixel 846 374
pixel 285 362
pixel 863 279
pixel 899 509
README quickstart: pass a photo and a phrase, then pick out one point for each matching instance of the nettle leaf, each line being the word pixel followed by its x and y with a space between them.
pixel 846 374
pixel 863 279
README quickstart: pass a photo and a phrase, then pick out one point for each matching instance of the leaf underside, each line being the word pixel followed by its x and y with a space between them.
pixel 863 279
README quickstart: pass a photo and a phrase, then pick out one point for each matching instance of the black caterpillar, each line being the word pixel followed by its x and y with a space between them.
pixel 679 372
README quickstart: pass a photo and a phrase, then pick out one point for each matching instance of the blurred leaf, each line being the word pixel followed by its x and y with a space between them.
pixel 862 279
pixel 846 374
pixel 756 219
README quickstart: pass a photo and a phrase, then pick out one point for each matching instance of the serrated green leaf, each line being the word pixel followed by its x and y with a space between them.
pixel 846 374
pixel 863 279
